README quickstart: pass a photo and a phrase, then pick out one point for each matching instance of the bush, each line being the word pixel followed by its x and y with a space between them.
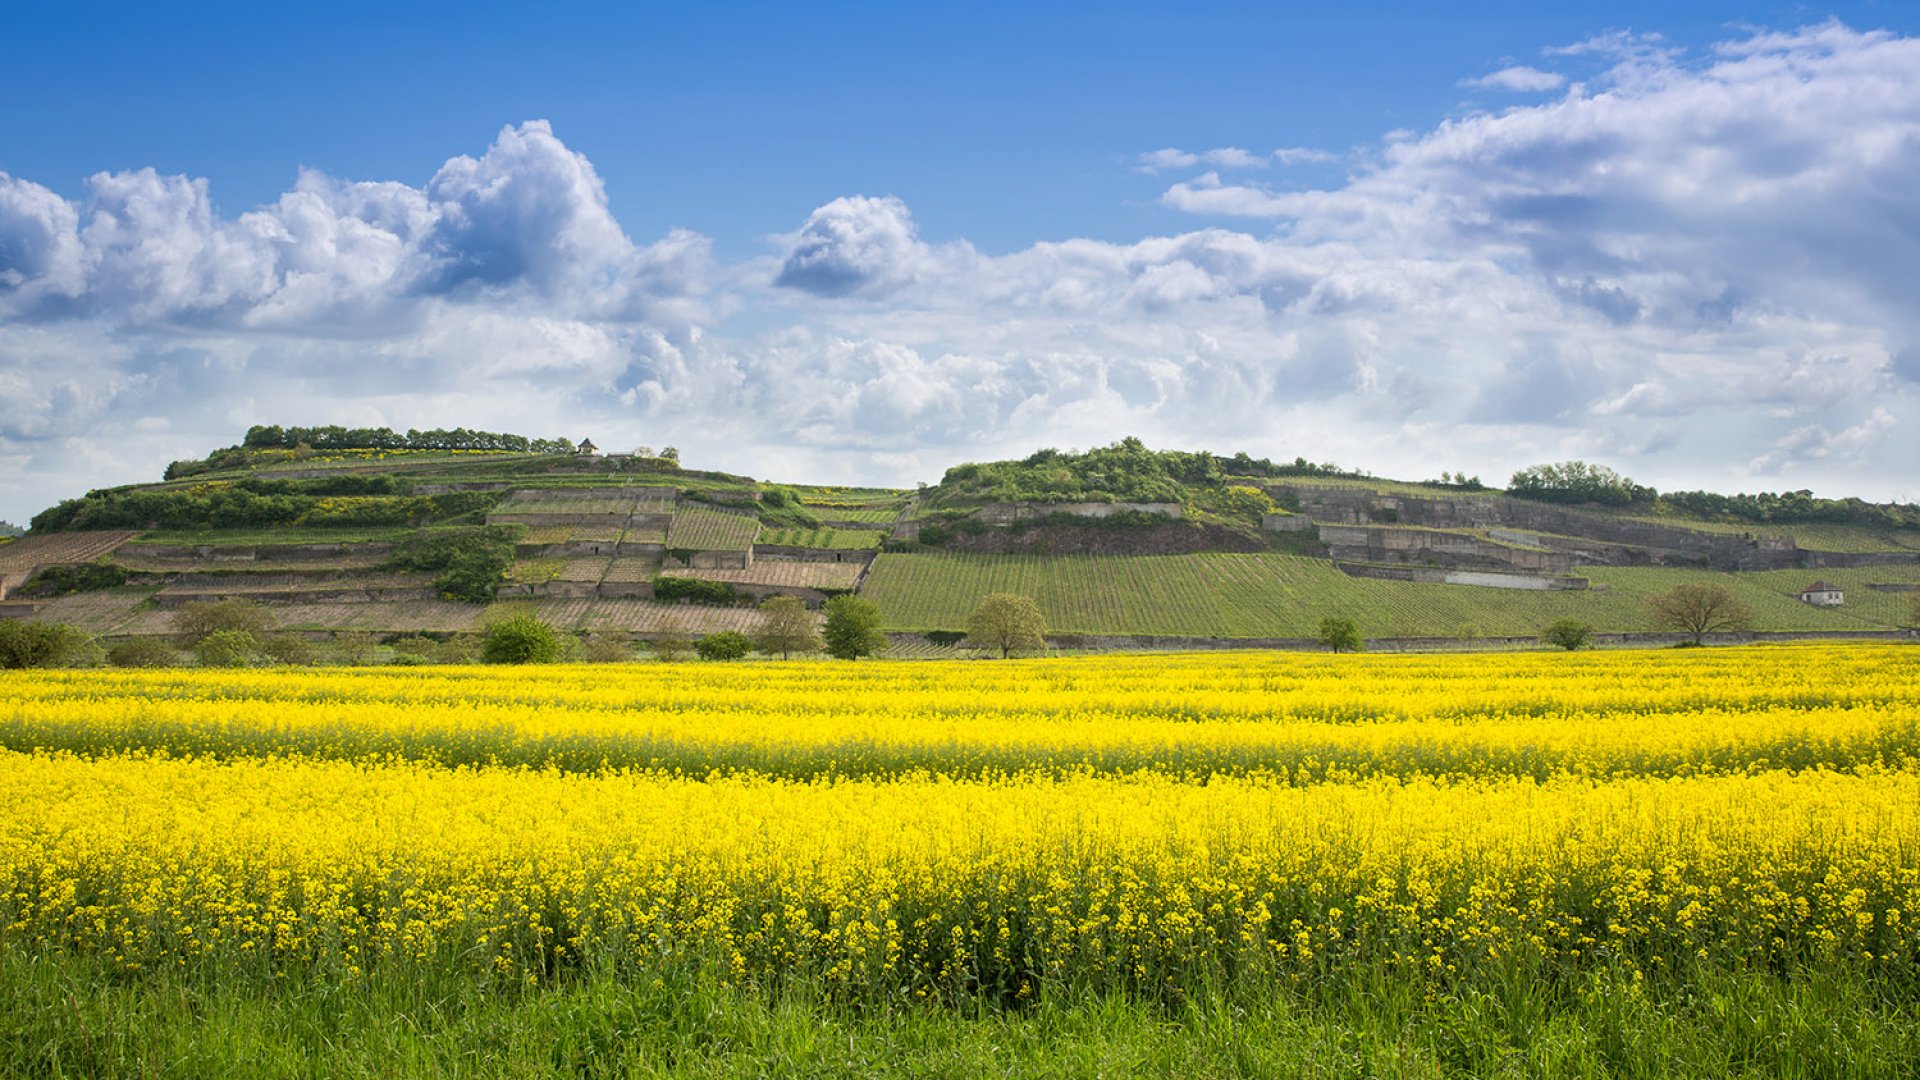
pixel 291 650
pixel 723 645
pixel 470 561
pixel 195 621
pixel 521 639
pixel 604 649
pixel 143 652
pixel 694 590
pixel 44 645
pixel 226 648
pixel 67 580
pixel 1569 634
pixel 351 648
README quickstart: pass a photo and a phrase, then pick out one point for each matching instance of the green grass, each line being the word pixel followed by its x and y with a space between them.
pixel 62 1018
pixel 827 538
pixel 1266 595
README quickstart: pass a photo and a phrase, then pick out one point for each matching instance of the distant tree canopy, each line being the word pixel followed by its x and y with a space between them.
pixel 1788 507
pixel 1577 482
pixel 1127 471
pixel 260 503
pixel 335 437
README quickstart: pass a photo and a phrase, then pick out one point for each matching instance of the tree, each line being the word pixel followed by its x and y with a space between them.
pixel 605 649
pixel 1699 610
pixel 1569 634
pixel 520 639
pixel 786 627
pixel 670 643
pixel 1008 622
pixel 1341 634
pixel 143 652
pixel 853 628
pixel 196 620
pixel 226 648
pixel 1577 482
pixel 1913 610
pixel 723 645
pixel 44 645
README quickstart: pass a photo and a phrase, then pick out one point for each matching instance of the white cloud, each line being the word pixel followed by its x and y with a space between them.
pixel 852 245
pixel 1225 157
pixel 1699 269
pixel 1519 79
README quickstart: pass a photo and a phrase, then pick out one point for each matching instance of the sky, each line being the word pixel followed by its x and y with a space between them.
pixel 860 243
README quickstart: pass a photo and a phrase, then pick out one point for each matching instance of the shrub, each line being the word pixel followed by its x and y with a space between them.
pixel 289 649
pixel 853 628
pixel 694 590
pixel 195 621
pixel 520 639
pixel 723 645
pixel 143 652
pixel 604 649
pixel 67 580
pixel 226 648
pixel 44 645
pixel 470 561
pixel 1569 634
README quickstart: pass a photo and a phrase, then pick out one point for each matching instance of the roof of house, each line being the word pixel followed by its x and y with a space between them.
pixel 1819 586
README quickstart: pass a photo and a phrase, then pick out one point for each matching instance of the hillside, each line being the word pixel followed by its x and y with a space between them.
pixel 437 533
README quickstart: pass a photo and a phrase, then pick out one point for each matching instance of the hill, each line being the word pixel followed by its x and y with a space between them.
pixel 431 535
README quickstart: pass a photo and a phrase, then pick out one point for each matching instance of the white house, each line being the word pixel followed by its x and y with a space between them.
pixel 1821 594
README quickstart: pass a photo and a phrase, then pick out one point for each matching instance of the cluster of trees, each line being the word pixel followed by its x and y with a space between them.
pixel 1766 508
pixel 262 504
pixel 469 562
pixel 1577 482
pixel 1127 471
pixel 335 437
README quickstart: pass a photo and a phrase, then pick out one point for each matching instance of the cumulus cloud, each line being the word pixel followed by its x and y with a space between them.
pixel 854 244
pixel 1519 79
pixel 1695 268
pixel 527 221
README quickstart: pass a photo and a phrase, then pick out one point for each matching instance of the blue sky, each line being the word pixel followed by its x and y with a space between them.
pixel 871 240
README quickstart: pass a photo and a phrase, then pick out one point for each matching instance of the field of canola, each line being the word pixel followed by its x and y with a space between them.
pixel 964 829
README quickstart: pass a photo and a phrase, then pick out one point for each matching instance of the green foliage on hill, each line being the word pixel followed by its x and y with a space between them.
pixel 1577 482
pixel 67 580
pixel 470 561
pixel 257 503
pixel 1127 471
pixel 694 590
pixel 1791 507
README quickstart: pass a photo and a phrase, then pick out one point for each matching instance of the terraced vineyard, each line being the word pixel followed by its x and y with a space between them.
pixel 1234 595
pixel 808 575
pixel 711 530
pixel 826 539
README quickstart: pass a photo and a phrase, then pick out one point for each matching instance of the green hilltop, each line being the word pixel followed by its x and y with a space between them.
pixel 425 537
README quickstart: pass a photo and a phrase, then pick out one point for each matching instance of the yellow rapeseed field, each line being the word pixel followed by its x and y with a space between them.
pixel 955 828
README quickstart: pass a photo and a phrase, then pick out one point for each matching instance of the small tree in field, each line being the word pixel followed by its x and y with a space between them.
pixel 723 645
pixel 1913 610
pixel 671 643
pixel 1569 634
pixel 853 628
pixel 787 627
pixel 521 639
pixel 1008 622
pixel 1341 634
pixel 1699 610
pixel 196 620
